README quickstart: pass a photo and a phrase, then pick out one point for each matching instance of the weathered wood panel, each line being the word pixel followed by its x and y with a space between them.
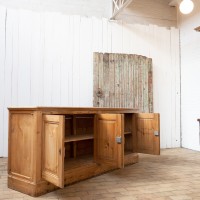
pixel 123 80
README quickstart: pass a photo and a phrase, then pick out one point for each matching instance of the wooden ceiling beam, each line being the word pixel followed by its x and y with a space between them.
pixel 174 3
pixel 118 6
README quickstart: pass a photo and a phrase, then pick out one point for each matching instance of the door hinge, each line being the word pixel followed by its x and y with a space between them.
pixel 119 139
pixel 156 133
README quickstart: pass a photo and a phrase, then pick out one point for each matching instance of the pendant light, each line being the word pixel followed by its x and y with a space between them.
pixel 186 6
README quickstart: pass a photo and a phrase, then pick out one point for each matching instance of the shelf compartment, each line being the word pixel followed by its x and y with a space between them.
pixel 74 138
pixel 79 162
pixel 127 132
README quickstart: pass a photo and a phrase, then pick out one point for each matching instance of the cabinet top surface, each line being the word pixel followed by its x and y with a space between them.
pixel 74 109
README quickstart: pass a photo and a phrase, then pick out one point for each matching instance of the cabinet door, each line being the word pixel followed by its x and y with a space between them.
pixel 146 134
pixel 108 140
pixel 53 149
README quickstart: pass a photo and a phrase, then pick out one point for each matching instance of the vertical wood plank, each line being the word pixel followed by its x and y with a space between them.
pixel 126 38
pixel 109 36
pixel 111 80
pixel 145 85
pixel 150 86
pixel 65 61
pixel 140 84
pixel 56 63
pixel 97 44
pixel 101 83
pixel 133 65
pixel 86 70
pixel 24 79
pixel 95 79
pixel 124 80
pixel 117 80
pixel 2 77
pixel 127 81
pixel 136 82
pixel 106 88
pixel 42 59
pixel 76 61
pixel 131 84
pixel 48 58
pixel 70 64
pixel 116 37
pixel 8 73
pixel 36 60
pixel 121 85
pixel 105 35
pixel 15 56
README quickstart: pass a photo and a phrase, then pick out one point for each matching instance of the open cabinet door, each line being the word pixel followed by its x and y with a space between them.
pixel 146 135
pixel 108 140
pixel 53 149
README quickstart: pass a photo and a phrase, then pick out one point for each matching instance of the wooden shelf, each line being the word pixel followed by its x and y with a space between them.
pixel 73 138
pixel 79 162
pixel 127 152
pixel 127 132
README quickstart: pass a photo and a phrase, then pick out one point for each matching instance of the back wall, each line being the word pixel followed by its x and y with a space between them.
pixel 46 59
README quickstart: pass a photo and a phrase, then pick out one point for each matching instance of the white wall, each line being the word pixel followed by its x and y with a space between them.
pixel 190 79
pixel 99 8
pixel 46 60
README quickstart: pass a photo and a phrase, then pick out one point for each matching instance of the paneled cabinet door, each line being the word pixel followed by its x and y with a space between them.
pixel 53 149
pixel 108 140
pixel 146 134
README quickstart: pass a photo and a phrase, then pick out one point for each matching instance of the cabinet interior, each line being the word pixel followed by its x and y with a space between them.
pixel 79 140
pixel 128 134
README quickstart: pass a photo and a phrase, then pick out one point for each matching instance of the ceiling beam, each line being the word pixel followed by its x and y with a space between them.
pixel 174 3
pixel 118 6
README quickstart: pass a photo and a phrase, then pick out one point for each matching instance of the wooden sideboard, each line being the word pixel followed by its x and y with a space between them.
pixel 51 147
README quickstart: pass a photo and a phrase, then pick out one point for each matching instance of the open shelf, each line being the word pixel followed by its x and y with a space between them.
pixel 79 162
pixel 127 152
pixel 73 138
pixel 127 132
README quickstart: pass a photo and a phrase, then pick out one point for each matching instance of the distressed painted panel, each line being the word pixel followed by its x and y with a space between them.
pixel 123 80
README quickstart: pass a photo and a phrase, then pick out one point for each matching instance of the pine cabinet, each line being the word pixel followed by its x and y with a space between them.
pixel 51 147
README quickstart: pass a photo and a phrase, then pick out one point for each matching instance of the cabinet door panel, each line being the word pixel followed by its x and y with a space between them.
pixel 107 150
pixel 22 132
pixel 53 149
pixel 147 133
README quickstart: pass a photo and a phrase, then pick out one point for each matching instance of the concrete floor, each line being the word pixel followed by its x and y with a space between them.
pixel 174 175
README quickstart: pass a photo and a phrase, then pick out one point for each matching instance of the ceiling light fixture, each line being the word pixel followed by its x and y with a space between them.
pixel 186 6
